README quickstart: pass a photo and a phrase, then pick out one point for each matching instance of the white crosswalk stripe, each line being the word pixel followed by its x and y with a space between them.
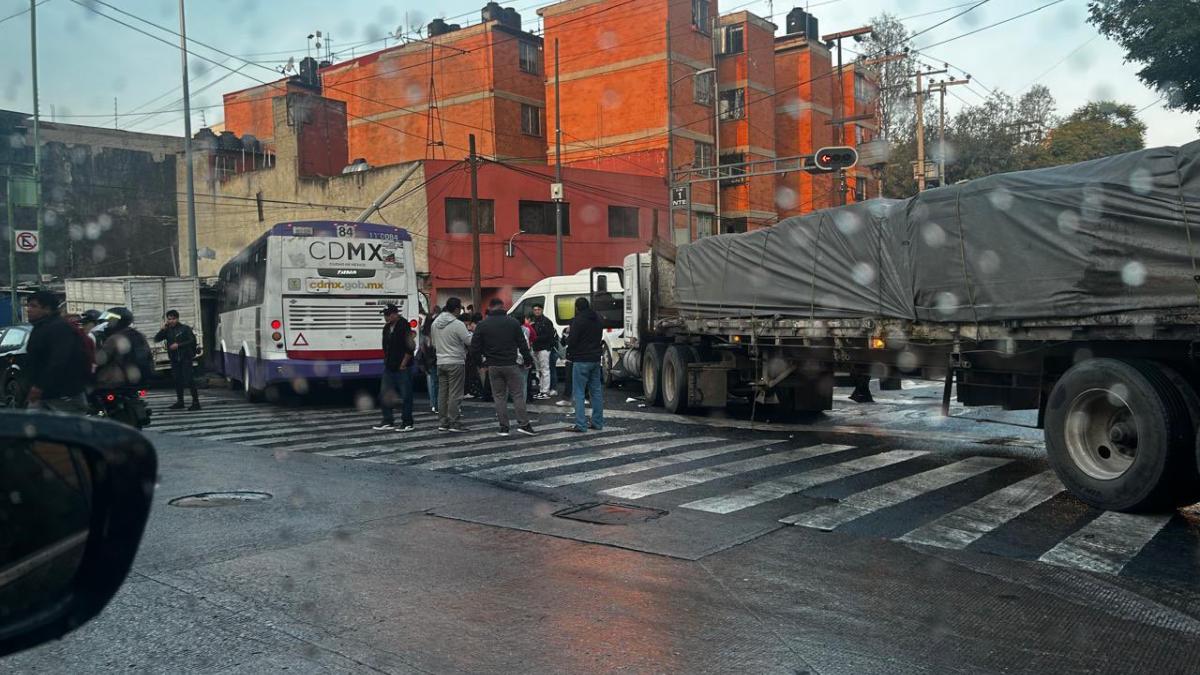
pixel 593 456
pixel 1107 543
pixel 766 491
pixel 705 475
pixel 455 448
pixel 890 494
pixel 964 526
pixel 302 431
pixel 645 465
pixel 386 444
pixel 495 458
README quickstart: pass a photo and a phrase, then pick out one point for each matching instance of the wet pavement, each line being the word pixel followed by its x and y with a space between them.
pixel 877 538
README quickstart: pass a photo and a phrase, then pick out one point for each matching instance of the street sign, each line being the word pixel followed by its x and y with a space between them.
pixel 679 196
pixel 27 241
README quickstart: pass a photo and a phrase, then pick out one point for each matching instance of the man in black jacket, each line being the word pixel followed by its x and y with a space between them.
pixel 585 344
pixel 546 336
pixel 181 350
pixel 59 370
pixel 497 341
pixel 399 345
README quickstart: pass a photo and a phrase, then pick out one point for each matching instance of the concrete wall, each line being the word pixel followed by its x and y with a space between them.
pixel 227 215
pixel 108 195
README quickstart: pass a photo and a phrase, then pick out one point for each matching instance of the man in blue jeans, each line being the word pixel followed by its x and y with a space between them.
pixel 399 345
pixel 585 344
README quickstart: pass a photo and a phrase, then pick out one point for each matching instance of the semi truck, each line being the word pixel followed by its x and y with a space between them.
pixel 1073 291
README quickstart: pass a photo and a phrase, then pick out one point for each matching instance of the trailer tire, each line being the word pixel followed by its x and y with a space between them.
pixel 652 362
pixel 1187 491
pixel 1114 430
pixel 674 378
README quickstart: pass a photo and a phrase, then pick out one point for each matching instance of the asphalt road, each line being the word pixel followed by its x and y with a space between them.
pixel 879 538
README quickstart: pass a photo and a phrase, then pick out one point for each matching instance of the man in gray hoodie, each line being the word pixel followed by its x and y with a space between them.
pixel 450 343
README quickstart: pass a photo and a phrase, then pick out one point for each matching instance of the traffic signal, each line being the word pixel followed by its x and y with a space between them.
pixel 835 157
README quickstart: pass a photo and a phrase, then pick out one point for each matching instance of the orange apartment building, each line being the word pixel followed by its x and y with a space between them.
pixel 637 92
pixel 422 99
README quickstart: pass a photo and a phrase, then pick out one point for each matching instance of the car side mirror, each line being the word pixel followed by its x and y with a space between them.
pixel 75 494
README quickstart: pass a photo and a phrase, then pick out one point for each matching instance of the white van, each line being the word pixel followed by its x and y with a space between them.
pixel 557 297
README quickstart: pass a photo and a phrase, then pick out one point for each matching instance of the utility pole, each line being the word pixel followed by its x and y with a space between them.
pixel 37 144
pixel 12 246
pixel 193 257
pixel 558 206
pixel 670 143
pixel 921 126
pixel 716 131
pixel 476 283
pixel 941 88
pixel 839 121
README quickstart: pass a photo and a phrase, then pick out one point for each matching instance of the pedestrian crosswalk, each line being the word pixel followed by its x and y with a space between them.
pixel 960 503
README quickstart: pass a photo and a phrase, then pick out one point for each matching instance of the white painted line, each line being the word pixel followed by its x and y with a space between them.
pixel 719 471
pixel 506 442
pixel 585 442
pixel 365 436
pixel 890 494
pixel 782 487
pixel 388 441
pixel 289 430
pixel 1107 543
pixel 635 467
pixel 962 527
pixel 594 456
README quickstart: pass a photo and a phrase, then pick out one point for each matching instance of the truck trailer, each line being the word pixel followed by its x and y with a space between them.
pixel 1073 291
pixel 147 297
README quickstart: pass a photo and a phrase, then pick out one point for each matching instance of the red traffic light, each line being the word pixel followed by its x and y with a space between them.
pixel 835 157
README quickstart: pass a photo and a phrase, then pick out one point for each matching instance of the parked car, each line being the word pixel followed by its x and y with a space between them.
pixel 13 340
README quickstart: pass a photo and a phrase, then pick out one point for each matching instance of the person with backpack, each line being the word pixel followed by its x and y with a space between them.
pixel 181 350
pixel 58 366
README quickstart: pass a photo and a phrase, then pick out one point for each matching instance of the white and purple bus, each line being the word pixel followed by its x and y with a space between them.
pixel 303 303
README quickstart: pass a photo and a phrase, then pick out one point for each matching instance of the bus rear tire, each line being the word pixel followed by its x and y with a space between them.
pixel 652 361
pixel 252 395
pixel 1117 434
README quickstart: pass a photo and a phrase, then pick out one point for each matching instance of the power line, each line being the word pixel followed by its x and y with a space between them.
pixel 22 12
pixel 998 23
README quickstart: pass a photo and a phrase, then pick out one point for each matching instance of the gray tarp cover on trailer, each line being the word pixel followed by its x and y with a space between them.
pixel 1110 235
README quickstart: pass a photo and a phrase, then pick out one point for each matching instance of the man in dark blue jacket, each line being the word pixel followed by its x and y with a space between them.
pixel 399 345
pixel 181 350
pixel 585 345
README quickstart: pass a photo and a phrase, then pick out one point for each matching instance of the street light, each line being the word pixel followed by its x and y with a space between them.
pixel 702 71
pixel 510 251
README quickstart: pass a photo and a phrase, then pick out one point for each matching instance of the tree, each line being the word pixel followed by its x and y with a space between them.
pixel 1163 36
pixel 1095 130
pixel 896 113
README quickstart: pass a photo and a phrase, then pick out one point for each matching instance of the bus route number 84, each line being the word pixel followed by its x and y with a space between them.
pixel 346 231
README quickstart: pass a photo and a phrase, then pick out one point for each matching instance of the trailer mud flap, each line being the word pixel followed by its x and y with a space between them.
pixel 708 385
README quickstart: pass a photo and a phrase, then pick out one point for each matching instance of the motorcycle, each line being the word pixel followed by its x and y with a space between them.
pixel 127 406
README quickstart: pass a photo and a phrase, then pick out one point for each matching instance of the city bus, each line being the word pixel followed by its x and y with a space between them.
pixel 303 304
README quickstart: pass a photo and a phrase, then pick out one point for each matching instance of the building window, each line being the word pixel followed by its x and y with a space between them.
pixel 733 225
pixel 529 58
pixel 623 222
pixel 700 17
pixel 736 174
pixel 704 225
pixel 704 155
pixel 733 104
pixel 864 89
pixel 860 190
pixel 702 88
pixel 458 216
pixel 531 120
pixel 538 218
pixel 731 40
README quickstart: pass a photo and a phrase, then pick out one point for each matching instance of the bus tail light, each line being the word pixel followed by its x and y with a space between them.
pixel 276 324
pixel 276 336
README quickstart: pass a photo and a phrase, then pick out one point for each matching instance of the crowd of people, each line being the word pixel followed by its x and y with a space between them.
pixel 70 356
pixel 498 357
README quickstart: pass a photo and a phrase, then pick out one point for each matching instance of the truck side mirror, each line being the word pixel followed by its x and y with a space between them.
pixel 75 494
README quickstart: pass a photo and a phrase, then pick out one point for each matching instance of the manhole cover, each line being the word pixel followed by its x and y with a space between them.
pixel 220 499
pixel 606 513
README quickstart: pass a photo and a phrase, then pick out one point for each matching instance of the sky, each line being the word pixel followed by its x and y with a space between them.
pixel 86 61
